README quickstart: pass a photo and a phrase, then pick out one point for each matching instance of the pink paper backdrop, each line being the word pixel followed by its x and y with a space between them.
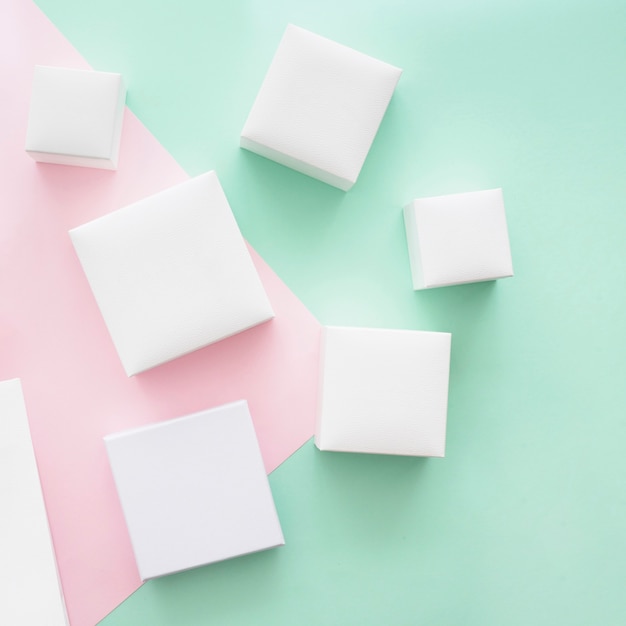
pixel 52 335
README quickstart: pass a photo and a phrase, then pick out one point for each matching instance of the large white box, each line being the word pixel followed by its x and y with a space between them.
pixel 459 238
pixel 383 391
pixel 28 575
pixel 171 273
pixel 319 107
pixel 75 117
pixel 194 490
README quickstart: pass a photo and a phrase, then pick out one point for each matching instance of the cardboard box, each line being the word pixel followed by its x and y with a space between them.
pixel 75 117
pixel 31 593
pixel 171 273
pixel 383 391
pixel 319 107
pixel 460 238
pixel 194 490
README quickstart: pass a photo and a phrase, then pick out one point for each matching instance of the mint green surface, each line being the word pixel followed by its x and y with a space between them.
pixel 524 520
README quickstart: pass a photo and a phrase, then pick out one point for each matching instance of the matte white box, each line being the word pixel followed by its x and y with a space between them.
pixel 75 117
pixel 28 575
pixel 319 107
pixel 171 273
pixel 383 391
pixel 459 238
pixel 194 490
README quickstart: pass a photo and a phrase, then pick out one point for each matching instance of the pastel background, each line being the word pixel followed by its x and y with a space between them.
pixel 53 338
pixel 523 521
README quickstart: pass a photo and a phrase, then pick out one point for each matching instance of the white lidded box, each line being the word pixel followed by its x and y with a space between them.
pixel 459 238
pixel 31 593
pixel 171 273
pixel 319 107
pixel 383 391
pixel 75 117
pixel 194 490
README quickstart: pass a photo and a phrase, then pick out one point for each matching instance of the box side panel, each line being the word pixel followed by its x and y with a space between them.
pixel 295 164
pixel 320 393
pixel 119 120
pixel 412 239
pixel 69 159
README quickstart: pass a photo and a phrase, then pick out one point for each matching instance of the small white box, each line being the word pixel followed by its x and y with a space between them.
pixel 28 575
pixel 75 117
pixel 171 273
pixel 383 391
pixel 194 490
pixel 319 107
pixel 459 238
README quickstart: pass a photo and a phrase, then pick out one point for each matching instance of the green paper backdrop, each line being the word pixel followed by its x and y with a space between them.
pixel 524 520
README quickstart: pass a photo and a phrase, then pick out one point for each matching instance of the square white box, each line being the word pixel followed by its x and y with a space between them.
pixel 383 391
pixel 75 117
pixel 171 273
pixel 194 490
pixel 31 593
pixel 459 238
pixel 319 107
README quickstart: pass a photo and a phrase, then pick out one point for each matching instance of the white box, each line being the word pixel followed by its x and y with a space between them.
pixel 319 107
pixel 460 238
pixel 75 117
pixel 28 575
pixel 194 490
pixel 171 273
pixel 383 391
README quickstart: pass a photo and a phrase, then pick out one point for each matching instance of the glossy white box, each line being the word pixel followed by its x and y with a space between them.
pixel 75 117
pixel 319 107
pixel 31 593
pixel 459 238
pixel 171 273
pixel 194 490
pixel 383 391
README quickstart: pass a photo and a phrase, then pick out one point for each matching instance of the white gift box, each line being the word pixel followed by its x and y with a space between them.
pixel 28 575
pixel 75 117
pixel 383 391
pixel 319 107
pixel 459 238
pixel 194 490
pixel 171 273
